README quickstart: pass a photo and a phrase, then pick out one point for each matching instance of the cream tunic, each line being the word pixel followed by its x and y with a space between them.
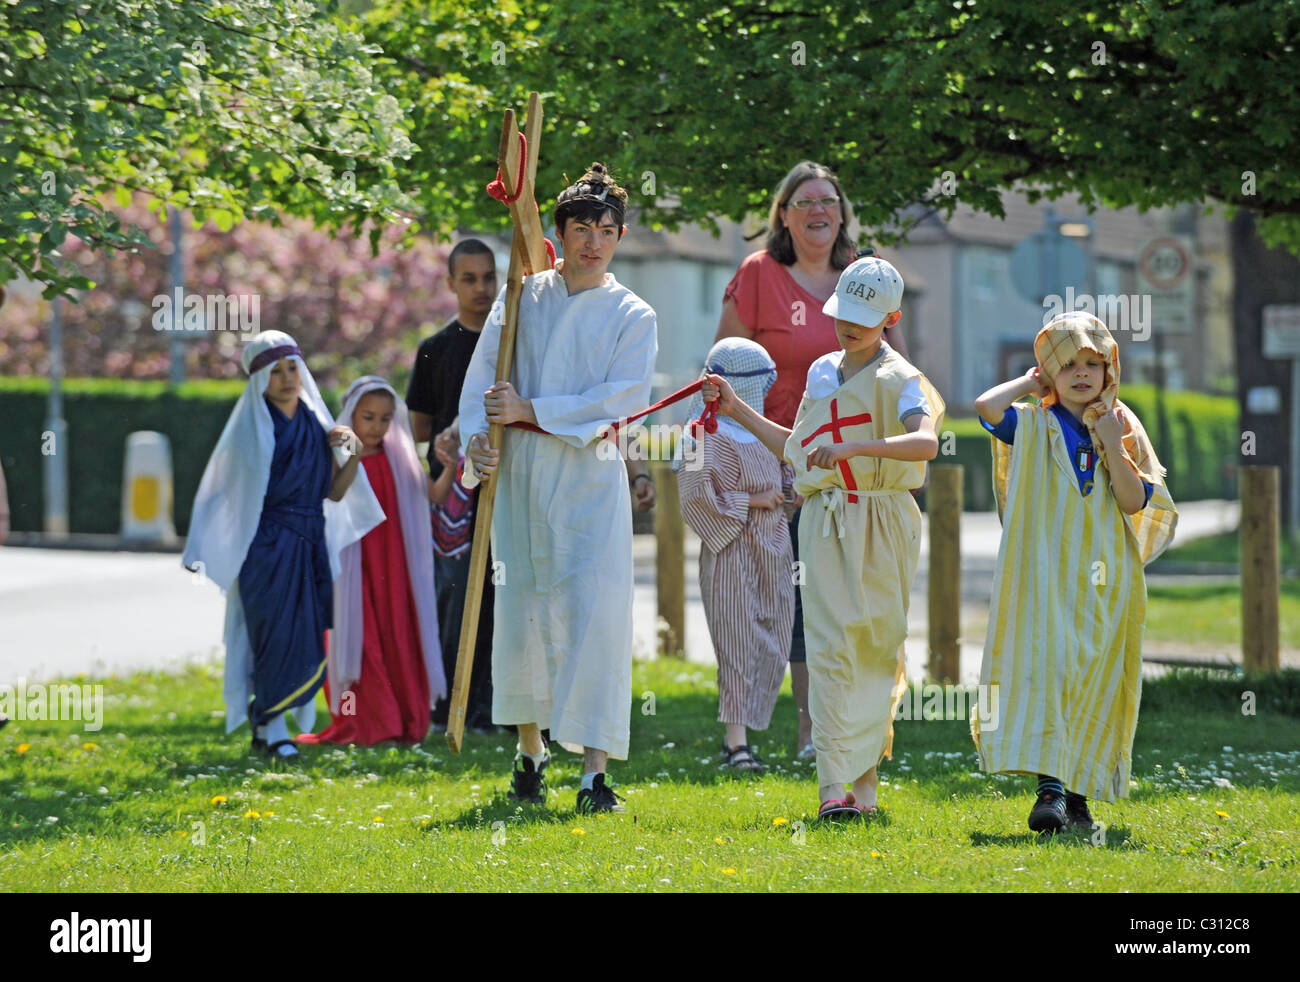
pixel 859 558
pixel 562 526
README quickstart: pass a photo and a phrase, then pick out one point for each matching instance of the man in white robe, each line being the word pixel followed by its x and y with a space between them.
pixel 562 528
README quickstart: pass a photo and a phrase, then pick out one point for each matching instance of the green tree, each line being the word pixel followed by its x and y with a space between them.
pixel 701 107
pixel 229 110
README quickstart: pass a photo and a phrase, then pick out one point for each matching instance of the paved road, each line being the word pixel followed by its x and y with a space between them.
pixel 981 534
pixel 64 612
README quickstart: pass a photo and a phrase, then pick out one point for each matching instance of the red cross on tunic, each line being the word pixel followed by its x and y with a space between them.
pixel 833 427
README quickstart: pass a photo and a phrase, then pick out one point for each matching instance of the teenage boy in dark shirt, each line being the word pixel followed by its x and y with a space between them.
pixel 433 398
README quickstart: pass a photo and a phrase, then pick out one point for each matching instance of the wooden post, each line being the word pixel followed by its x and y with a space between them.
pixel 1260 562
pixel 527 255
pixel 670 558
pixel 943 508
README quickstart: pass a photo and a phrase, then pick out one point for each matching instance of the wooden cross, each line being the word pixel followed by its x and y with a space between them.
pixel 527 255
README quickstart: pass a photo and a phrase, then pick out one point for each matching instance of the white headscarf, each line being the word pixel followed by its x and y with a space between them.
pixel 228 505
pixel 417 540
pixel 750 371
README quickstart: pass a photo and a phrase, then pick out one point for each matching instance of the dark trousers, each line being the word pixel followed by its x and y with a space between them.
pixel 452 580
pixel 797 650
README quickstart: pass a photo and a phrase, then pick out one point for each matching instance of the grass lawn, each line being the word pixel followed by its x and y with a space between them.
pixel 1210 613
pixel 1224 548
pixel 160 799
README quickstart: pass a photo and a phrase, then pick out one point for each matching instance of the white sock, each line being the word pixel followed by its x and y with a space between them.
pixel 535 758
pixel 589 780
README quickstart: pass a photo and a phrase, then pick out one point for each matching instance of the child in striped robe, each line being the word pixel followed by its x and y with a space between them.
pixel 1085 508
pixel 733 498
pixel 452 506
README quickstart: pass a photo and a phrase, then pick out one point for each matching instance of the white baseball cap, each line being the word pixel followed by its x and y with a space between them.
pixel 868 290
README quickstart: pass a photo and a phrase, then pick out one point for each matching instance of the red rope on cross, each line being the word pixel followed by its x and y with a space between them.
pixel 498 188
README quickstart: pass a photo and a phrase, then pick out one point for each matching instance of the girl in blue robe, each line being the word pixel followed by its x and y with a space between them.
pixel 272 513
pixel 287 570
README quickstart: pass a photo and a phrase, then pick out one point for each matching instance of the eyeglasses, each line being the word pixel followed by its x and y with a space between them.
pixel 828 202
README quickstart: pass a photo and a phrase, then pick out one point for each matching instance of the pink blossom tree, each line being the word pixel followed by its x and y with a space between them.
pixel 352 313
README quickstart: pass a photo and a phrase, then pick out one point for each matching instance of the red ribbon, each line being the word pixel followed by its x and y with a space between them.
pixel 708 419
pixel 498 189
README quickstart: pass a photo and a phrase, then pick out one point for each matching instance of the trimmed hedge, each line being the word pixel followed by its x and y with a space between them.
pixel 100 413
pixel 1204 443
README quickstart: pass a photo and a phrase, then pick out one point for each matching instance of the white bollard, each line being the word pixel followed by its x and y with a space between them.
pixel 147 489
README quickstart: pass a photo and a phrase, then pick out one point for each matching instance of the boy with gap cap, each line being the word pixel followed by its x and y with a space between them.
pixel 864 430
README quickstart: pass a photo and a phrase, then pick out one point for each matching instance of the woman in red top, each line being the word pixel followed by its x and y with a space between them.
pixel 776 299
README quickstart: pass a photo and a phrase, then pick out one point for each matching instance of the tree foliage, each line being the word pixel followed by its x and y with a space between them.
pixel 263 108
pixel 233 110
pixel 703 106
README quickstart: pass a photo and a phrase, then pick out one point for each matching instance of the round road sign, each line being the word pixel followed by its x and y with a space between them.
pixel 1164 263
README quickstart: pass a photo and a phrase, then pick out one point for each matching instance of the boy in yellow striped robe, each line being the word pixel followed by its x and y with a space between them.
pixel 1084 508
pixel 865 428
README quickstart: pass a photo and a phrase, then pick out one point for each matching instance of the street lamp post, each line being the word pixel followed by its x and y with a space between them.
pixel 54 441
pixel 176 346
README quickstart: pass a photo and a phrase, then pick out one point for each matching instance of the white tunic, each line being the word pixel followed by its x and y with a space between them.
pixel 562 526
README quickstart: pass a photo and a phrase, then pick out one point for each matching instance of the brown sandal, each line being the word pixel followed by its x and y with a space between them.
pixel 742 758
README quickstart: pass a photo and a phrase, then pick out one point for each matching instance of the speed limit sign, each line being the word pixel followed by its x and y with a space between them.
pixel 1166 270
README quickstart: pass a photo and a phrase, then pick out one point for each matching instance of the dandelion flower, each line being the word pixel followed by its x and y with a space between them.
pixel 877 855
pixel 1221 814
pixel 579 831
pixel 90 746
pixel 218 799
pixel 379 818
pixel 268 814
pixel 22 748
pixel 779 821
pixel 720 840
pixel 251 814
pixel 729 871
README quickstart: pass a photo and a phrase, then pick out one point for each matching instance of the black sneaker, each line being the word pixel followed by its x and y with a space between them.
pixel 1048 814
pixel 1076 811
pixel 527 783
pixel 599 799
